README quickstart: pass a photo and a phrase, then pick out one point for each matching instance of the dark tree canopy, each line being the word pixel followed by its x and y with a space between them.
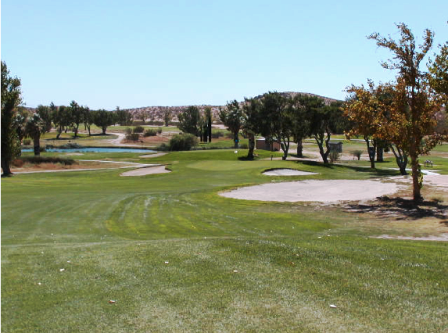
pixel 10 100
pixel 189 121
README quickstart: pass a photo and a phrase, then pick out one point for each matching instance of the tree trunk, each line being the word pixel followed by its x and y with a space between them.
pixel 251 137
pixel 59 132
pixel 300 148
pixel 235 140
pixel 104 128
pixel 401 158
pixel 76 131
pixel 285 147
pixel 320 143
pixel 210 129
pixel 417 176
pixel 370 151
pixel 88 127
pixel 6 170
pixel 379 154
pixel 36 141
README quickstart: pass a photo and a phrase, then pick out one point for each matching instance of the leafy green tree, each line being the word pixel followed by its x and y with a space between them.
pixel 324 121
pixel 87 118
pixel 124 117
pixel 251 122
pixel 34 128
pixel 231 116
pixel 77 116
pixel 189 121
pixel 103 119
pixel 300 107
pixel 44 113
pixel 414 107
pixel 277 120
pixel 10 100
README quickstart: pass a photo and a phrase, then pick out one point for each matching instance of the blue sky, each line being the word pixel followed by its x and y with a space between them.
pixel 137 53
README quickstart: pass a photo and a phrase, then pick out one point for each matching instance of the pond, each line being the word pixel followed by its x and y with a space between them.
pixel 94 150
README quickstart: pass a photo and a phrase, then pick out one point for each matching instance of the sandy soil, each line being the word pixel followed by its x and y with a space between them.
pixel 441 238
pixel 315 190
pixel 146 171
pixel 287 172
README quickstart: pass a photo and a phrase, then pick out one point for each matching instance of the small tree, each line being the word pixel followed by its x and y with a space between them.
pixel 87 118
pixel 35 126
pixel 231 117
pixel 189 121
pixel 77 116
pixel 251 122
pixel 103 119
pixel 323 122
pixel 167 116
pixel 414 108
pixel 44 113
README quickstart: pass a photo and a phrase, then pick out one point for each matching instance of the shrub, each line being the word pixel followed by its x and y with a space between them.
pixel 357 153
pixel 128 130
pixel 163 147
pixel 132 137
pixel 138 129
pixel 183 142
pixel 44 159
pixel 159 130
pixel 334 156
pixel 70 146
pixel 150 132
pixel 26 142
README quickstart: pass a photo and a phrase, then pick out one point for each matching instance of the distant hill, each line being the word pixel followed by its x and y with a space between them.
pixel 156 113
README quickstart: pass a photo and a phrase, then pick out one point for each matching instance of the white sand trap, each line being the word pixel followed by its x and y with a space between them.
pixel 146 171
pixel 287 172
pixel 315 190
pixel 437 180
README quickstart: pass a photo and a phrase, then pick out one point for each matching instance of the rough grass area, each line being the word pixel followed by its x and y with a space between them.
pixel 176 257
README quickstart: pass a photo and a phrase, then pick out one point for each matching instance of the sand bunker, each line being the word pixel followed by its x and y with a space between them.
pixel 315 190
pixel 287 172
pixel 146 171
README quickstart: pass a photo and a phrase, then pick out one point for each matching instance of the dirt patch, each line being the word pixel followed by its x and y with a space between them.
pixel 441 238
pixel 146 171
pixel 315 190
pixel 287 172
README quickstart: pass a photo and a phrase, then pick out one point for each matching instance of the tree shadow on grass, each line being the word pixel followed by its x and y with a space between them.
pixel 403 209
pixel 375 172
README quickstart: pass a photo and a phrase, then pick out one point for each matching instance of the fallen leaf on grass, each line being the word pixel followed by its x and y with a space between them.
pixel 112 301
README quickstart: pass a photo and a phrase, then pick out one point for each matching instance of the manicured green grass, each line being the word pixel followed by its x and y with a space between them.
pixel 177 257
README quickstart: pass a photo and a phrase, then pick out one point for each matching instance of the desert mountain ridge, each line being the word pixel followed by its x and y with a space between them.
pixel 157 112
